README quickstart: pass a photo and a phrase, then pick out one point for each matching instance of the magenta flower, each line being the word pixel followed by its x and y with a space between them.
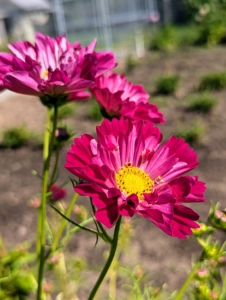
pixel 126 172
pixel 53 68
pixel 58 193
pixel 119 97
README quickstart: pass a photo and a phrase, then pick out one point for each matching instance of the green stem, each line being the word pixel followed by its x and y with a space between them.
pixel 55 166
pixel 64 223
pixel 75 229
pixel 107 237
pixel 189 278
pixel 45 155
pixel 108 262
pixel 42 223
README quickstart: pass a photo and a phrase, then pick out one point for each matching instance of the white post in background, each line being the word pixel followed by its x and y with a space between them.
pixel 105 23
pixel 59 17
pixel 138 32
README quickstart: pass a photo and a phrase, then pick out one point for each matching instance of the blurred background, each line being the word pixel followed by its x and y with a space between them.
pixel 117 24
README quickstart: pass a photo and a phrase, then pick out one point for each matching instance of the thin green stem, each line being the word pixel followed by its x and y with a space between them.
pixel 107 237
pixel 55 166
pixel 64 223
pixel 108 262
pixel 76 224
pixel 48 145
pixel 75 229
pixel 45 155
pixel 189 278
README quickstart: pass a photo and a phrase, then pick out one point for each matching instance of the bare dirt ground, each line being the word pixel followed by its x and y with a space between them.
pixel 166 259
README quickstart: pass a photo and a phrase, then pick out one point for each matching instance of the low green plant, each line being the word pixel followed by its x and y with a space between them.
pixel 167 84
pixel 66 110
pixel 192 135
pixel 16 137
pixel 94 112
pixel 164 39
pixel 17 280
pixel 202 103
pixel 213 81
pixel 131 63
pixel 173 37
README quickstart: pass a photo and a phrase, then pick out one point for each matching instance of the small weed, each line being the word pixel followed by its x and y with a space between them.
pixel 94 112
pixel 170 37
pixel 16 137
pixel 164 39
pixel 131 63
pixel 66 110
pixel 192 135
pixel 202 103
pixel 214 81
pixel 167 85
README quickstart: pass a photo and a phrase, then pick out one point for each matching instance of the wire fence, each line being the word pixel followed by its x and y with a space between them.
pixel 115 23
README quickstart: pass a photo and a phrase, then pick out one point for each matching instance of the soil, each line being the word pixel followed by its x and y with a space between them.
pixel 166 259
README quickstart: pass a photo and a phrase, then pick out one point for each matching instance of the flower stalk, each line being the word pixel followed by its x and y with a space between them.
pixel 191 275
pixel 48 144
pixel 108 262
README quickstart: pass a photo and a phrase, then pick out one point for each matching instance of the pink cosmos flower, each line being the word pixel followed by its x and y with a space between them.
pixel 53 67
pixel 119 97
pixel 58 192
pixel 126 172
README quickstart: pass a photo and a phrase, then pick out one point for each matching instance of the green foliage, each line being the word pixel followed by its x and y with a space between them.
pixel 192 135
pixel 16 137
pixel 138 287
pixel 94 112
pixel 202 103
pixel 167 85
pixel 210 15
pixel 131 63
pixel 164 39
pixel 213 81
pixel 17 281
pixel 66 110
pixel 212 33
pixel 172 37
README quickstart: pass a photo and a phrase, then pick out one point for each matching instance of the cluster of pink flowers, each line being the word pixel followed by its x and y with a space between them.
pixel 124 170
pixel 52 68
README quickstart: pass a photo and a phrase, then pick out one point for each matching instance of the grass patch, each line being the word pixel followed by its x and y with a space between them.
pixel 16 137
pixel 66 110
pixel 211 82
pixel 131 63
pixel 94 111
pixel 171 37
pixel 192 135
pixel 202 103
pixel 167 85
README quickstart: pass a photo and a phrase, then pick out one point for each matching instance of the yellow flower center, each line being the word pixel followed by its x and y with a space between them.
pixel 44 74
pixel 132 180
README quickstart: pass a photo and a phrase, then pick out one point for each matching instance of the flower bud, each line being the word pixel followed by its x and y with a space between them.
pixel 58 193
pixel 218 218
pixel 47 287
pixel 222 260
pixel 62 134
pixel 214 295
pixel 202 229
pixel 202 273
pixel 138 273
pixel 80 212
pixel 35 203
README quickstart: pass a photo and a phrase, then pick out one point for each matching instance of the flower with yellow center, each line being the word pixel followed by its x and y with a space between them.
pixel 132 180
pixel 127 172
